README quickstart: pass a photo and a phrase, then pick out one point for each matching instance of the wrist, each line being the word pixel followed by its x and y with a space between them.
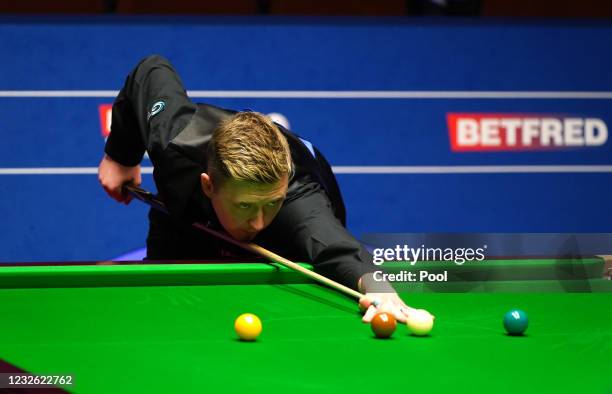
pixel 118 163
pixel 369 284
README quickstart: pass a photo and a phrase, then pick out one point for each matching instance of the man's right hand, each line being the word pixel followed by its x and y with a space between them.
pixel 113 175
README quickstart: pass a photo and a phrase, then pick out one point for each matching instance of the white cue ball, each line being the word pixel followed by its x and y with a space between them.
pixel 420 322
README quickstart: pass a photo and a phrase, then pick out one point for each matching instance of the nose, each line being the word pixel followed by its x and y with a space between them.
pixel 257 222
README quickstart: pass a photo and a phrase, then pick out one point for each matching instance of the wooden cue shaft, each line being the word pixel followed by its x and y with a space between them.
pixel 252 247
pixel 149 199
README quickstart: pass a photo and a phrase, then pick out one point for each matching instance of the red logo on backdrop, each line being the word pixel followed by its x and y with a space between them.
pixel 482 132
pixel 106 111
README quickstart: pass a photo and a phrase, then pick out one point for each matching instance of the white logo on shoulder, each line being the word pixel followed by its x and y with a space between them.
pixel 155 109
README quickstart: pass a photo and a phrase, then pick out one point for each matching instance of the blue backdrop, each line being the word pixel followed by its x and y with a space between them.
pixel 68 216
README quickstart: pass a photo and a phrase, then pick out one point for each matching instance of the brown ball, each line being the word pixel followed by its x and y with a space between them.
pixel 383 325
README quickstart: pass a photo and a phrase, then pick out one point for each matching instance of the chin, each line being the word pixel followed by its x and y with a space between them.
pixel 248 237
pixel 243 237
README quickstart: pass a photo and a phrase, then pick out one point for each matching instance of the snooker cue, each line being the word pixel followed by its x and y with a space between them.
pixel 149 199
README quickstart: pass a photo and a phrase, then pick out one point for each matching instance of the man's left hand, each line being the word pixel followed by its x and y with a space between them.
pixel 373 303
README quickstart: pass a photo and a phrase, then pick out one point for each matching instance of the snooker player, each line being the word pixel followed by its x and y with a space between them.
pixel 235 171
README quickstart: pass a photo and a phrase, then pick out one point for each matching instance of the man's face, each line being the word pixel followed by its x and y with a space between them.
pixel 245 208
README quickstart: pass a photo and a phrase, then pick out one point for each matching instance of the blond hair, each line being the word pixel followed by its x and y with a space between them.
pixel 248 147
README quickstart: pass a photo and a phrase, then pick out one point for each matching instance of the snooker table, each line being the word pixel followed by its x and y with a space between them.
pixel 137 327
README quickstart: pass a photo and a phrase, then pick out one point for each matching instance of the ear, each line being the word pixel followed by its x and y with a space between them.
pixel 206 183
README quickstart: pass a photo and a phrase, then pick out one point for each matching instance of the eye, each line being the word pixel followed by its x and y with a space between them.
pixel 275 202
pixel 244 205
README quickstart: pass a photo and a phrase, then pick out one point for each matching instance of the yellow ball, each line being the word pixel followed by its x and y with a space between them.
pixel 420 322
pixel 247 326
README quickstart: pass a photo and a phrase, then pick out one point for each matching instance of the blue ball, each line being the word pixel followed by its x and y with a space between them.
pixel 516 322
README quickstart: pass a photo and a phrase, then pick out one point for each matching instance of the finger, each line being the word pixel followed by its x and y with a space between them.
pixel 365 302
pixel 369 315
pixel 427 312
pixel 112 193
pixel 117 195
pixel 400 315
pixel 408 310
pixel 126 197
pixel 106 189
pixel 120 197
